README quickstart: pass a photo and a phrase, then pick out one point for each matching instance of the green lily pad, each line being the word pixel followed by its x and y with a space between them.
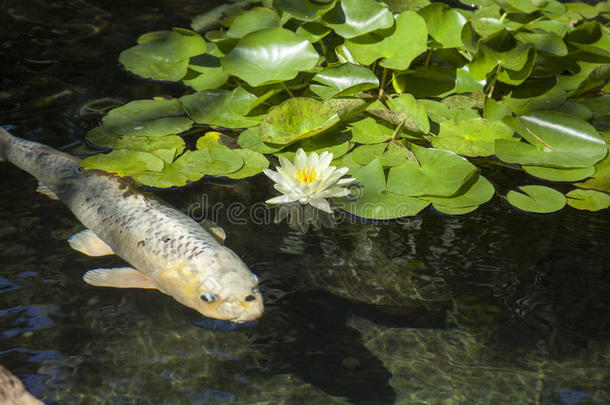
pixel 471 137
pixel 213 139
pixel 305 10
pixel 555 139
pixel 313 31
pixel 98 136
pixel 249 139
pixel 389 44
pixel 123 162
pixel 214 108
pixel 547 42
pixel 333 142
pixel 427 81
pixel 147 118
pixel 438 173
pixel 347 108
pixel 601 177
pixel 538 199
pixel 589 200
pixel 374 200
pixel 416 112
pixel 296 118
pixel 365 154
pixel 183 170
pixel 397 117
pixel 351 18
pixel 343 80
pixel 444 24
pixel 439 112
pixel 501 49
pixel 253 20
pixel 205 73
pixel 479 193
pixel 270 55
pixel 369 131
pixel 557 174
pixel 222 161
pixel 254 163
pixel 165 59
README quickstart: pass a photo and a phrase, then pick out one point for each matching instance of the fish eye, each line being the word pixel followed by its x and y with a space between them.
pixel 208 297
pixel 250 298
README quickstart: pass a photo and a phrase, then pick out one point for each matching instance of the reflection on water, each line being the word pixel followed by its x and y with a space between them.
pixel 493 307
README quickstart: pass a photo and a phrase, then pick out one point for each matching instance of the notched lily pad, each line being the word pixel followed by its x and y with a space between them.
pixel 147 118
pixel 474 137
pixel 214 108
pixel 343 80
pixel 296 118
pixel 590 200
pixel 123 162
pixel 539 199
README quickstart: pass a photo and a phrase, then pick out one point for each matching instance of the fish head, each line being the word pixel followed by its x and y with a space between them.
pixel 225 288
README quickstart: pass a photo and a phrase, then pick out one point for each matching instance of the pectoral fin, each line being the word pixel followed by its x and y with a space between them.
pixel 215 230
pixel 43 189
pixel 121 277
pixel 89 243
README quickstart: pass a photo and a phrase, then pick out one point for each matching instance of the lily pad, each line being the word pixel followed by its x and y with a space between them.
pixel 374 200
pixel 214 108
pixel 179 173
pixel 390 44
pixel 444 24
pixel 438 173
pixel 296 118
pixel 305 10
pixel 555 139
pixel 99 137
pixel 205 73
pixel 147 118
pixel 369 131
pixel 416 112
pixel 590 200
pixel 474 137
pixel 253 20
pixel 478 193
pixel 165 59
pixel 254 163
pixel 343 80
pixel 313 31
pixel 213 139
pixel 538 199
pixel 351 18
pixel 557 174
pixel 249 139
pixel 270 55
pixel 601 177
pixel 123 162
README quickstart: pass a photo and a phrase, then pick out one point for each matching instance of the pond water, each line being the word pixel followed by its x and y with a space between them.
pixel 497 306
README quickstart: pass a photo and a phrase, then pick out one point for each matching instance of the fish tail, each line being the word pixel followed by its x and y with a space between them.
pixel 41 161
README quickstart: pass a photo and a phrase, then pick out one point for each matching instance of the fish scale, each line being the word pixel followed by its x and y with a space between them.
pixel 168 249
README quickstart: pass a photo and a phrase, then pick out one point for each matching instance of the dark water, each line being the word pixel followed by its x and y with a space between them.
pixel 493 307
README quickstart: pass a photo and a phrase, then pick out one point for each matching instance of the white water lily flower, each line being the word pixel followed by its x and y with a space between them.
pixel 310 180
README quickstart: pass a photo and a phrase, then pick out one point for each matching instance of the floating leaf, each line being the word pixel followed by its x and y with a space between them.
pixel 223 161
pixel 547 42
pixel 589 200
pixel 369 131
pixel 479 193
pixel 374 201
pixel 296 118
pixel 555 139
pixel 439 173
pixel 214 108
pixel 254 163
pixel 390 44
pixel 343 80
pixel 427 81
pixel 181 171
pixel 601 177
pixel 444 24
pixel 270 55
pixel 416 112
pixel 99 137
pixel 305 10
pixel 123 162
pixel 213 139
pixel 253 20
pixel 249 139
pixel 166 59
pixel 147 118
pixel 351 18
pixel 205 73
pixel 538 199
pixel 474 137
pixel 313 31
pixel 557 174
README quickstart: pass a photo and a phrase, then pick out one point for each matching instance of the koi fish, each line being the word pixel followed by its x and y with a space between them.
pixel 167 250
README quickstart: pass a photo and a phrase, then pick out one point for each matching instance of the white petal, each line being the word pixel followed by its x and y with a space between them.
pixel 300 160
pixel 312 161
pixel 273 175
pixel 346 180
pixel 321 204
pixel 282 199
pixel 332 192
pixel 286 165
pixel 325 159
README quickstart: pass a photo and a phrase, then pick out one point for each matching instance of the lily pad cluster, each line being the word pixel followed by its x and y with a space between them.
pixel 416 98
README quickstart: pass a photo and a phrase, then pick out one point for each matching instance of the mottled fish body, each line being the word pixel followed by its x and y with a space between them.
pixel 168 250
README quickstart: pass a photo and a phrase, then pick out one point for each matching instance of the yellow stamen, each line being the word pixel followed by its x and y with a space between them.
pixel 307 175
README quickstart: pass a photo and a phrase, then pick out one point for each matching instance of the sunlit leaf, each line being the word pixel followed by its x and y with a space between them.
pixel 166 59
pixel 390 44
pixel 589 200
pixel 406 104
pixel 369 131
pixel 296 118
pixel 123 162
pixel 254 163
pixel 374 200
pixel 351 18
pixel 306 10
pixel 99 137
pixel 180 172
pixel 559 174
pixel 253 20
pixel 471 137
pixel 214 108
pixel 205 73
pixel 601 177
pixel 313 31
pixel 249 139
pixel 343 80
pixel 444 24
pixel 538 199
pixel 478 193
